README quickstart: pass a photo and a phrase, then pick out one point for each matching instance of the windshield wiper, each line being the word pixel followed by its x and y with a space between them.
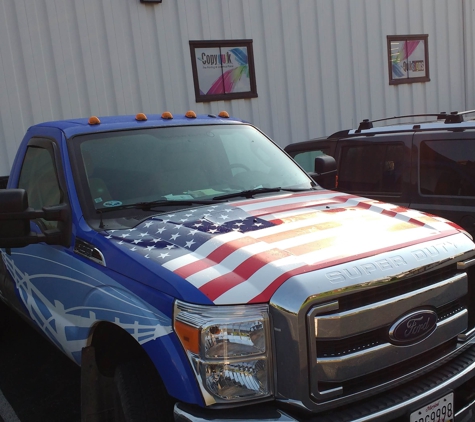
pixel 251 192
pixel 152 204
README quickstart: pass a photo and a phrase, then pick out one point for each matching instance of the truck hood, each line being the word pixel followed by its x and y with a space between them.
pixel 243 251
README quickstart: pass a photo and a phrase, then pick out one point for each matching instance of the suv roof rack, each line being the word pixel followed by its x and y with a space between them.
pixel 453 117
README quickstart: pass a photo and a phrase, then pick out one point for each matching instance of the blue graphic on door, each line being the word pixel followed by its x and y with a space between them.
pixel 66 302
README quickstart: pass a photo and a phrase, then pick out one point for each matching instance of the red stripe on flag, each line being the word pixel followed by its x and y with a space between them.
pixel 363 205
pixel 216 287
pixel 215 257
pixel 389 213
pixel 416 222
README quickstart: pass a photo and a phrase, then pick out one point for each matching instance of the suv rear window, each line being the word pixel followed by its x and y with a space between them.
pixel 371 168
pixel 447 167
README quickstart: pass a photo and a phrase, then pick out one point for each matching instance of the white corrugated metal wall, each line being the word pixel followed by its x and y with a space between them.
pixel 469 52
pixel 321 65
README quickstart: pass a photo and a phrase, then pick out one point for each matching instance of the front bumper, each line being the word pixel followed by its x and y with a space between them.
pixel 268 413
pixel 457 375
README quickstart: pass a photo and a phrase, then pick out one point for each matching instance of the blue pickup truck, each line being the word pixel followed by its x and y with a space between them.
pixel 195 272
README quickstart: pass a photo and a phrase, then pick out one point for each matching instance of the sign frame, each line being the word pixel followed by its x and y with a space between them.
pixel 223 70
pixel 403 70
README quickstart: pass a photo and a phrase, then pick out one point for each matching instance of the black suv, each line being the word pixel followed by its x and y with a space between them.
pixel 427 166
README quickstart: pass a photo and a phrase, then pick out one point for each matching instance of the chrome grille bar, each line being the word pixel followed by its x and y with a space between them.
pixel 326 325
pixel 350 323
pixel 343 368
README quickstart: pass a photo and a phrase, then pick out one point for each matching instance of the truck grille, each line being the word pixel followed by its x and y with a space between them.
pixel 351 352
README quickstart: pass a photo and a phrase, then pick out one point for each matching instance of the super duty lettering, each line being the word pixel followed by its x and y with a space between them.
pixel 353 272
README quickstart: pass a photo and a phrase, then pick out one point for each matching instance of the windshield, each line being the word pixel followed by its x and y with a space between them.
pixel 179 164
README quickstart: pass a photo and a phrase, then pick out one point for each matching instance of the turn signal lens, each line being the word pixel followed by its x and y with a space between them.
pixel 189 336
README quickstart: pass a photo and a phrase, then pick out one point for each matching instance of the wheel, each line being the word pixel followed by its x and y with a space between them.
pixel 141 395
pixel 5 318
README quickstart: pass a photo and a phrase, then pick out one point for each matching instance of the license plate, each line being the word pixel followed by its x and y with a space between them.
pixel 441 410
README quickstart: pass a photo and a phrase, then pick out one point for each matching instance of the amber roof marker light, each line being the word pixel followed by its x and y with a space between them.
pixel 224 114
pixel 140 117
pixel 167 115
pixel 93 120
pixel 190 114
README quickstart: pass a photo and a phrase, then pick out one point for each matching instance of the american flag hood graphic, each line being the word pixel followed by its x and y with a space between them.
pixel 243 251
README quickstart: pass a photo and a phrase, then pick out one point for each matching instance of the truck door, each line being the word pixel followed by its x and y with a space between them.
pixel 445 176
pixel 376 167
pixel 41 176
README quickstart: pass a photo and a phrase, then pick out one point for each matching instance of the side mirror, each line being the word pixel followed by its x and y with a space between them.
pixel 15 216
pixel 13 201
pixel 325 171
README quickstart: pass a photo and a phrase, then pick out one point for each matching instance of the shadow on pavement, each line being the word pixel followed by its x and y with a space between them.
pixel 40 383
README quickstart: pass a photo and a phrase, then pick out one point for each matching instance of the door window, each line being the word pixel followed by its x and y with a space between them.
pixel 38 178
pixel 447 167
pixel 371 168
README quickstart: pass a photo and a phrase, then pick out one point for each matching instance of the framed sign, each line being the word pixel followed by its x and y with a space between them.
pixel 408 59
pixel 223 70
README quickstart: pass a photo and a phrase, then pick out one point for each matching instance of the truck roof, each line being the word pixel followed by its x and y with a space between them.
pixel 95 124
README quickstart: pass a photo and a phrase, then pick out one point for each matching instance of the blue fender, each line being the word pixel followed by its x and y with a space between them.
pixel 67 295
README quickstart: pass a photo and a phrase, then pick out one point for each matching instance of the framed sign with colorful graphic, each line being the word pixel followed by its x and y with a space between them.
pixel 223 70
pixel 408 59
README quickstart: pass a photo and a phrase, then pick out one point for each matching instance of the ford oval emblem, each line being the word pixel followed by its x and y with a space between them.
pixel 413 327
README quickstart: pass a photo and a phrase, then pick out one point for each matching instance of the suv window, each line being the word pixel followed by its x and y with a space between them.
pixel 447 167
pixel 371 168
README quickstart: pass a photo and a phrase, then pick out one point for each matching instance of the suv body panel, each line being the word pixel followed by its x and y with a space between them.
pixel 456 203
pixel 456 207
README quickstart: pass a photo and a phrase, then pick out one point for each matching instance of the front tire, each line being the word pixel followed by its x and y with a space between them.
pixel 142 397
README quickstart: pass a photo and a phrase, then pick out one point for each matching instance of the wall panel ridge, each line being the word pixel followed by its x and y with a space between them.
pixel 320 65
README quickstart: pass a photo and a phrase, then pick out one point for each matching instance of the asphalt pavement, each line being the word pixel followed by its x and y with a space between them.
pixel 7 414
pixel 37 382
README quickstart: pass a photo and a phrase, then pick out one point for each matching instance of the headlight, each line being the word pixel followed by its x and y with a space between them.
pixel 229 349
